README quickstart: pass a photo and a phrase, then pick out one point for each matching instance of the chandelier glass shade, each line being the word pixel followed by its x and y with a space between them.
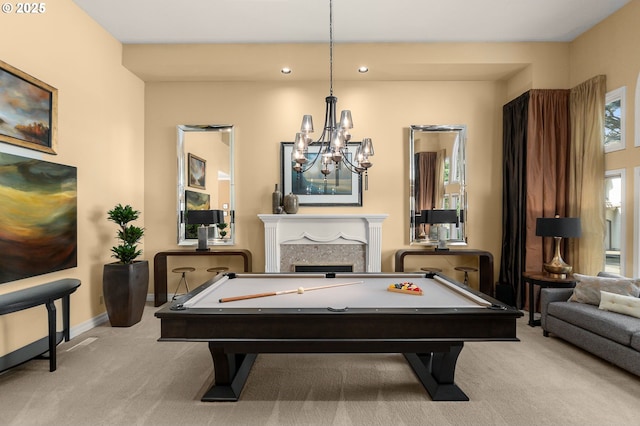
pixel 334 152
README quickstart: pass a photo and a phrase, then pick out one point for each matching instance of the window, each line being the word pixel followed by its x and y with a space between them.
pixel 614 113
pixel 614 183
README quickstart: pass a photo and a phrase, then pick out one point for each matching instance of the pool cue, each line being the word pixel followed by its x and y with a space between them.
pixel 277 293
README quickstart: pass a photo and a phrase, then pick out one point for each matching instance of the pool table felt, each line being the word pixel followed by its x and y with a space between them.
pixel 371 293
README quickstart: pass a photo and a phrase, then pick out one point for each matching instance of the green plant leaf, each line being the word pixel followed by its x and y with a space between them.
pixel 129 235
pixel 123 215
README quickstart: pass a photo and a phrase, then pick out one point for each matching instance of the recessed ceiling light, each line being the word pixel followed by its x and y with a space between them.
pixel 286 70
pixel 363 69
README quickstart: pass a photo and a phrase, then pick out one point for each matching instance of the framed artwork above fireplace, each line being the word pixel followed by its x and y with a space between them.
pixel 339 188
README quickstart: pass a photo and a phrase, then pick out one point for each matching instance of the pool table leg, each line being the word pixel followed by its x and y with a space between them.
pixel 436 371
pixel 230 374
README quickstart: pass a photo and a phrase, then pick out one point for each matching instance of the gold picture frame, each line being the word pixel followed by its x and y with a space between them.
pixel 28 111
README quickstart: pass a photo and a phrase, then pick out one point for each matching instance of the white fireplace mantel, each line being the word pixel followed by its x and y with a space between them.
pixel 323 229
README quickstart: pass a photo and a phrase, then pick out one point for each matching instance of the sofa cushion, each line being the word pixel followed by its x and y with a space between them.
pixel 611 325
pixel 626 305
pixel 587 289
pixel 635 341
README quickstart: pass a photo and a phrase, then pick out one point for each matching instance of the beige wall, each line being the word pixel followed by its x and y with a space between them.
pixel 268 111
pixel 611 48
pixel 266 114
pixel 100 131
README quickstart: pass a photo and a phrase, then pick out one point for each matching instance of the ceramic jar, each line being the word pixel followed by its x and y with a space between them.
pixel 291 203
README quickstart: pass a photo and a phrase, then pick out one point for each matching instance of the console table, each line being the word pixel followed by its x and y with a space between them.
pixel 160 267
pixel 45 294
pixel 485 263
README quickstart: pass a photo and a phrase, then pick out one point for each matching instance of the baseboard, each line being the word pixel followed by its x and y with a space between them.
pixel 88 325
pixel 32 350
pixel 96 321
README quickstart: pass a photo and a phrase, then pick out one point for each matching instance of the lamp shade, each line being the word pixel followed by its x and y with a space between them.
pixel 204 217
pixel 439 216
pixel 565 227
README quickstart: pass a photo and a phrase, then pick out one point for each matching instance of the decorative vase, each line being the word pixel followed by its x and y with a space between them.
pixel 291 203
pixel 276 201
pixel 125 289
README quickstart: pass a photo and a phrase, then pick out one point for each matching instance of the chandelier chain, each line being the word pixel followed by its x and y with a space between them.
pixel 331 47
pixel 332 150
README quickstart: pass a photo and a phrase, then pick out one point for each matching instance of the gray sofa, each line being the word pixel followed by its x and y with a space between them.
pixel 608 335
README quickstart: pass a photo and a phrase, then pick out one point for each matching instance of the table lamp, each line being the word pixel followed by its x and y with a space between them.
pixel 204 218
pixel 438 217
pixel 558 228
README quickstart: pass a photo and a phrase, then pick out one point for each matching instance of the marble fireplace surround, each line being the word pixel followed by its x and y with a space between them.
pixel 328 230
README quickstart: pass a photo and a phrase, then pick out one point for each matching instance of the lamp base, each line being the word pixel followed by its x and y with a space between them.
pixel 203 236
pixel 558 276
pixel 558 268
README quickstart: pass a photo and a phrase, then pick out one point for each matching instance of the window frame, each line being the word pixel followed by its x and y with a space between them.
pixel 636 220
pixel 623 211
pixel 612 96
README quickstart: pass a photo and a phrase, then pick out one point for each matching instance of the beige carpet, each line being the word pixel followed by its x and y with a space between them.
pixel 126 377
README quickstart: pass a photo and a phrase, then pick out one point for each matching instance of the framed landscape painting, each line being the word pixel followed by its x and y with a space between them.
pixel 341 187
pixel 38 217
pixel 194 201
pixel 28 110
pixel 197 171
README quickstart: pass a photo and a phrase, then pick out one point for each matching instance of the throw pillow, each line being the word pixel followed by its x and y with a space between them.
pixel 587 289
pixel 626 305
pixel 610 275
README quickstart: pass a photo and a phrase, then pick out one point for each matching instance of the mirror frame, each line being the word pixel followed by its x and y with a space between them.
pixel 461 129
pixel 182 130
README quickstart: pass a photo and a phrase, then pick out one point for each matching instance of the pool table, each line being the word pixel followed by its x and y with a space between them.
pixel 349 313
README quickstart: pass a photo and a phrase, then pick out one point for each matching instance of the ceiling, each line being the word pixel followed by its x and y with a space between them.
pixel 355 21
pixel 251 40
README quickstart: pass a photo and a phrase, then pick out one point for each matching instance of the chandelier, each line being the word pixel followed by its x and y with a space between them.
pixel 333 152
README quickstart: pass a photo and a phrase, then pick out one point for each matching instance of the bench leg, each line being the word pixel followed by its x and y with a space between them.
pixel 66 317
pixel 51 310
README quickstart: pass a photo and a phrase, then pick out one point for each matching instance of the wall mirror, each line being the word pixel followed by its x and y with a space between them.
pixel 205 180
pixel 437 187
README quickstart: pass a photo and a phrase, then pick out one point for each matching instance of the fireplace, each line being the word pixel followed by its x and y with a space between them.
pixel 323 240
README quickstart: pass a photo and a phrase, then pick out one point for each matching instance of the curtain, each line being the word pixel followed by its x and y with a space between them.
pixel 429 167
pixel 438 194
pixel 586 175
pixel 514 142
pixel 425 180
pixel 553 164
pixel 547 169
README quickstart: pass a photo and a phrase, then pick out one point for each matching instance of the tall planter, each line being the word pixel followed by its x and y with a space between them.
pixel 125 289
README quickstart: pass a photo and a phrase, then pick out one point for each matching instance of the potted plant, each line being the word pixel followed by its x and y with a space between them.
pixel 125 283
pixel 221 227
